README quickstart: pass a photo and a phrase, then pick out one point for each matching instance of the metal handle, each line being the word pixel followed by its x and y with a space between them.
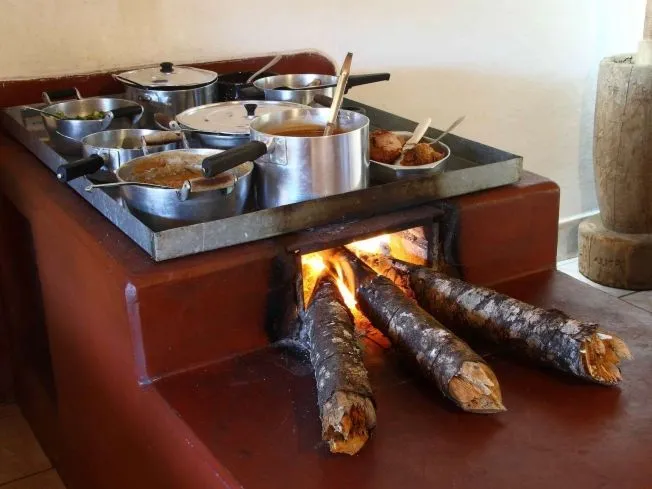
pixel 153 100
pixel 79 168
pixel 221 162
pixel 51 95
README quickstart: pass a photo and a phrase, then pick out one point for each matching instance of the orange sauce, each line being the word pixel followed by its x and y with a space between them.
pixel 302 130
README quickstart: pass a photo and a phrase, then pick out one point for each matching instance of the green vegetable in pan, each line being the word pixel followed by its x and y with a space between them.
pixel 93 116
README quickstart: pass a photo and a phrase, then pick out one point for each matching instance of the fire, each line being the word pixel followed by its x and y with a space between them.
pixel 347 295
pixel 377 244
pixel 313 262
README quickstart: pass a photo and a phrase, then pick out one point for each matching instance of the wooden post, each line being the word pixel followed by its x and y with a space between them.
pixel 615 247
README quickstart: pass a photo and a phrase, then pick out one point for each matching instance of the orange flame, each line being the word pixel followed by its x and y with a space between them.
pixel 371 245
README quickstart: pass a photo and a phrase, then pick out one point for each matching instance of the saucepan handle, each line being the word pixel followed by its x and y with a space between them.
pixel 252 92
pixel 130 111
pixel 355 80
pixel 221 162
pixel 65 93
pixel 79 168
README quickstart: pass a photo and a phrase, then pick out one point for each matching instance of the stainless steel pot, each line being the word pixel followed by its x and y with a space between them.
pixel 222 196
pixel 168 89
pixel 105 150
pixel 323 85
pixel 66 134
pixel 225 125
pixel 293 169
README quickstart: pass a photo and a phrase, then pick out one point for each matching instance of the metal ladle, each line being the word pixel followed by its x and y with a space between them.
pixel 274 60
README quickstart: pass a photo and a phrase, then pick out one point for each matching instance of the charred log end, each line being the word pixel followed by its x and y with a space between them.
pixel 475 388
pixel 390 268
pixel 347 422
pixel 601 355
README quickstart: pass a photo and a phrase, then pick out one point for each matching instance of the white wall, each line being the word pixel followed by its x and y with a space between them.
pixel 522 71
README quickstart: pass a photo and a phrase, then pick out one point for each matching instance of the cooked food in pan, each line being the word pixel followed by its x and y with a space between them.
pixel 386 147
pixel 162 171
pixel 93 116
pixel 421 154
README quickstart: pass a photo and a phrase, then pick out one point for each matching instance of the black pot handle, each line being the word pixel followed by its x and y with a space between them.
pixel 79 168
pixel 167 67
pixel 221 162
pixel 250 93
pixel 65 93
pixel 130 111
pixel 355 80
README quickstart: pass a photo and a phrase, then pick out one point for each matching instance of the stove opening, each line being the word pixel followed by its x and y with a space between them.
pixel 410 245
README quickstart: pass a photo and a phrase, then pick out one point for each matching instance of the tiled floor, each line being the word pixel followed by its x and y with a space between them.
pixel 638 299
pixel 23 465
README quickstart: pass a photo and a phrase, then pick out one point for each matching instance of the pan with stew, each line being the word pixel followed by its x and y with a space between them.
pixel 295 162
pixel 187 196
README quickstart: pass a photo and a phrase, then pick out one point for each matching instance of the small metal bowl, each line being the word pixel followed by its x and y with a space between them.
pixel 66 135
pixel 384 172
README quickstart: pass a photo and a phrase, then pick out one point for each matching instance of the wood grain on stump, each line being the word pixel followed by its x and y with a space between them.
pixel 622 145
pixel 615 259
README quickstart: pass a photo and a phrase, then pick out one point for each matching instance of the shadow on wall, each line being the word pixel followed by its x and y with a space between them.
pixel 547 120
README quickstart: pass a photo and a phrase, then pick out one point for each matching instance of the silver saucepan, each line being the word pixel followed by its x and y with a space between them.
pixel 112 149
pixel 168 89
pixel 65 123
pixel 295 162
pixel 302 88
pixel 188 196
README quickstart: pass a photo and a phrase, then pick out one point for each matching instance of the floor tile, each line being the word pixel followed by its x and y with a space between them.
pixel 45 480
pixel 570 267
pixel 8 410
pixel 641 299
pixel 20 453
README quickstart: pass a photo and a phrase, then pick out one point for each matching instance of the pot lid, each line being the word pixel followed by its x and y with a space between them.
pixel 168 76
pixel 231 117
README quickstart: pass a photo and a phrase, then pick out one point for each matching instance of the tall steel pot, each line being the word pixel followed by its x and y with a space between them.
pixel 168 89
pixel 292 169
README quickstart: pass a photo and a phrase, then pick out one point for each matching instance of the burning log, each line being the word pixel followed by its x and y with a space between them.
pixel 547 336
pixel 459 373
pixel 344 393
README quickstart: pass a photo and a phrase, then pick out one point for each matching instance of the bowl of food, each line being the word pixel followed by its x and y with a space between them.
pixel 385 148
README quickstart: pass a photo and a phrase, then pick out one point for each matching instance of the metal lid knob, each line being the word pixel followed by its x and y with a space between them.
pixel 251 109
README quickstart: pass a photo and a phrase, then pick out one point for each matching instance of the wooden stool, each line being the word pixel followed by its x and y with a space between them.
pixel 615 248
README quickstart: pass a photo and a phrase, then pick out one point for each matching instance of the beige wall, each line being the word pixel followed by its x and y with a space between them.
pixel 522 71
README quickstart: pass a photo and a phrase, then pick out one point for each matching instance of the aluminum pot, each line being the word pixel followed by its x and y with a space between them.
pixel 293 169
pixel 107 149
pixel 323 85
pixel 66 134
pixel 210 199
pixel 168 89
pixel 225 125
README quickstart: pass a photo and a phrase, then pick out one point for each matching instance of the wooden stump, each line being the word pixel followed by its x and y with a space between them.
pixel 622 152
pixel 616 247
pixel 615 259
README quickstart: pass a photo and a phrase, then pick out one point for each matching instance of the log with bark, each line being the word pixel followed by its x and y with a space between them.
pixel 443 358
pixel 344 393
pixel 550 337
